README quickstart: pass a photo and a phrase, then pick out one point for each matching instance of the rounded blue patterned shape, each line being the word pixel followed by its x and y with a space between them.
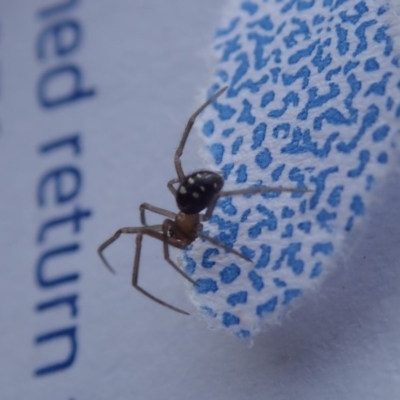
pixel 229 273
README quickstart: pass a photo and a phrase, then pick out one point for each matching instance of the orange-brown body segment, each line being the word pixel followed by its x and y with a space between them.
pixel 188 226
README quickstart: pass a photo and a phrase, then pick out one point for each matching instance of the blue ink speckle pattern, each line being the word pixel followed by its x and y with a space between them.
pixel 313 101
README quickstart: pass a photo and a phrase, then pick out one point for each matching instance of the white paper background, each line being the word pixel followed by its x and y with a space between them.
pixel 147 62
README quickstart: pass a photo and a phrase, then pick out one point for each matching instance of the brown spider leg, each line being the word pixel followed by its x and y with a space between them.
pixel 139 229
pixel 179 150
pixel 223 246
pixel 154 209
pixel 153 231
pixel 252 190
pixel 135 277
pixel 171 187
pixel 180 244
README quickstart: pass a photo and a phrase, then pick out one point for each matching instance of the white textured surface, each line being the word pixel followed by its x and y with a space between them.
pixel 312 102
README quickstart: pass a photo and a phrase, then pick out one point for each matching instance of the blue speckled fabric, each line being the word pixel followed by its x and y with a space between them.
pixel 313 101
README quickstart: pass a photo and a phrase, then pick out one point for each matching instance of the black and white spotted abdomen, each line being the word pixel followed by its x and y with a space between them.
pixel 196 191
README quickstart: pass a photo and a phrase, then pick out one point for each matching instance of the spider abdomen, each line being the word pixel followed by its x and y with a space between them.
pixel 195 193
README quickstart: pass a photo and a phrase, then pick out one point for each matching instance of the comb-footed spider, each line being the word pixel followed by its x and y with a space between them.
pixel 196 192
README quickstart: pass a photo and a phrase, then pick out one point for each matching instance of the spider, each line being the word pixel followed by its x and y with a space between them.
pixel 196 192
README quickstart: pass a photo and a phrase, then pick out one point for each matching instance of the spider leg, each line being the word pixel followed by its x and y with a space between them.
pixel 153 231
pixel 154 209
pixel 251 190
pixel 135 278
pixel 171 187
pixel 180 244
pixel 139 229
pixel 223 246
pixel 179 150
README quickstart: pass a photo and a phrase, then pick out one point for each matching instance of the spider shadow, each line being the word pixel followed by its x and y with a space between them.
pixel 350 299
